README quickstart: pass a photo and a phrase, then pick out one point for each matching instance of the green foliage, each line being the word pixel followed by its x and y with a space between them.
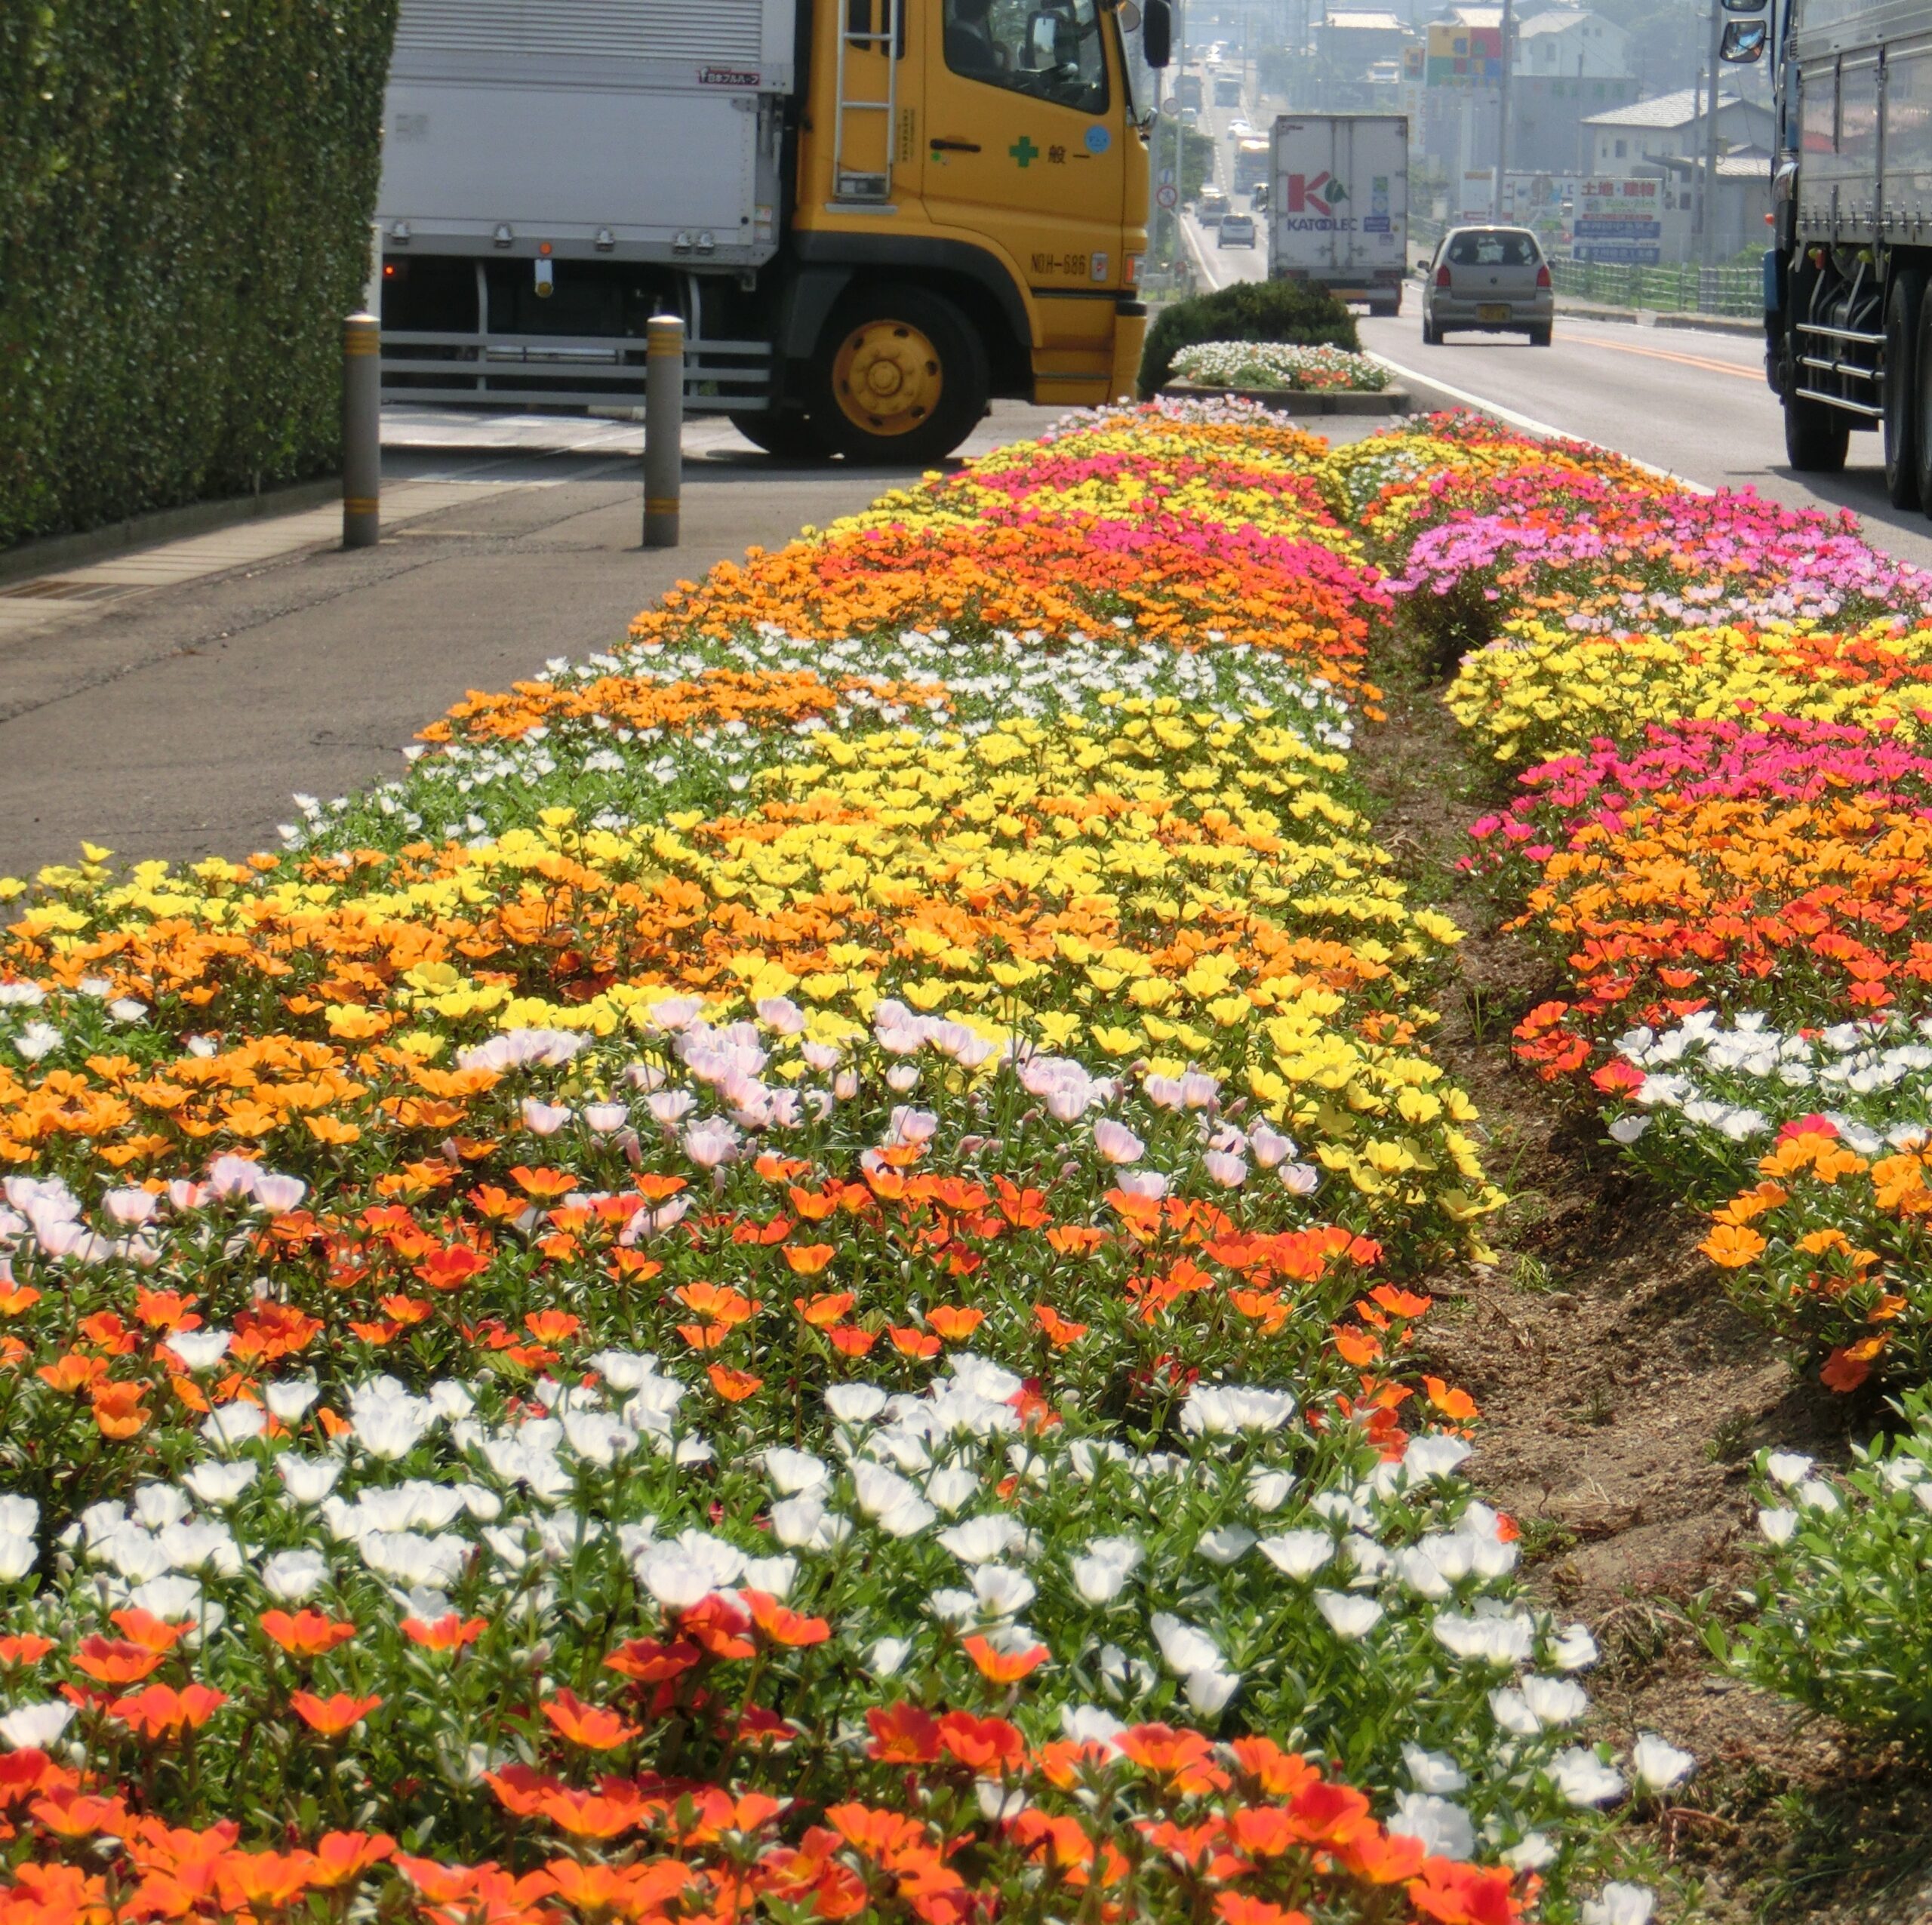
pixel 1841 1608
pixel 185 187
pixel 1288 311
pixel 1197 162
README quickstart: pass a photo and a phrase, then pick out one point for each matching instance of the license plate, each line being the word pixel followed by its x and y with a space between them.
pixel 1493 311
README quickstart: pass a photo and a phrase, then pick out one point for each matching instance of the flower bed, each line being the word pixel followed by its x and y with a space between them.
pixel 786 1277
pixel 1274 364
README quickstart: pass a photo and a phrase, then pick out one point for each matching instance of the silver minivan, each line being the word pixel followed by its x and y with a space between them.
pixel 1490 278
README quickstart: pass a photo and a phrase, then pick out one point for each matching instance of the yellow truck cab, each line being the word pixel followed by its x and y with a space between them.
pixel 873 215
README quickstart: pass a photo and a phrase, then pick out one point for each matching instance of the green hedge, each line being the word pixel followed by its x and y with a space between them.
pixel 1290 311
pixel 185 187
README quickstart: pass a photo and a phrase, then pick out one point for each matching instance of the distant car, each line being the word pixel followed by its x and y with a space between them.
pixel 1189 114
pixel 1239 130
pixel 1211 209
pixel 1384 73
pixel 1237 231
pixel 1493 279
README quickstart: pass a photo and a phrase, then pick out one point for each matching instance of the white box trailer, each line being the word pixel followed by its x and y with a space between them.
pixel 1338 205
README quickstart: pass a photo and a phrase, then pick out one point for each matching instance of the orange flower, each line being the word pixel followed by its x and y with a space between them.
pixel 781 1626
pixel 822 1312
pixel 450 1633
pixel 734 1386
pixel 307 1635
pixel 331 1716
pixel 1731 1246
pixel 1060 1331
pixel 551 1326
pixel 161 1709
pixel 1005 1667
pixel 809 1260
pixel 954 1323
pixel 115 1661
pixel 913 1343
pixel 117 1412
pixel 591 1726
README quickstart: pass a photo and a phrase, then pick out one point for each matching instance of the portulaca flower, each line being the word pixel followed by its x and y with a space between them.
pixel 1267 1489
pixel 200 1350
pixel 289 1397
pixel 230 1426
pixel 1218 1409
pixel 1443 1828
pixel 855 1404
pixel 1185 1648
pixel 1432 1771
pixel 1620 1904
pixel 218 1483
pixel 1657 1765
pixel 291 1576
pixel 309 1480
pixel 1584 1779
pixel 1209 1691
pixel 36 1727
pixel 1298 1553
pixel 1349 1615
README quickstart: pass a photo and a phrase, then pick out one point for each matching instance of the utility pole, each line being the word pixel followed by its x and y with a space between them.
pixel 1502 108
pixel 1709 215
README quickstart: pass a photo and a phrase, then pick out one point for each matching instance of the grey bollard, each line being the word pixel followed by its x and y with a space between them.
pixel 361 431
pixel 663 429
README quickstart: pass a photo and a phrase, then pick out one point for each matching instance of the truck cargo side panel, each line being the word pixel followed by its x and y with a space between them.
pixel 1338 204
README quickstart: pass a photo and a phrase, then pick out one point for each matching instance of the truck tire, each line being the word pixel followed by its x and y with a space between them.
pixel 900 377
pixel 1922 370
pixel 1816 437
pixel 1539 335
pixel 786 433
pixel 1902 405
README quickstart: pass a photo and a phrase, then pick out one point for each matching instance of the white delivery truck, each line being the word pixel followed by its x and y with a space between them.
pixel 1338 205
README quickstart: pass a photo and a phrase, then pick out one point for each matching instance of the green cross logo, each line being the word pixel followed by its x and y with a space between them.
pixel 1023 151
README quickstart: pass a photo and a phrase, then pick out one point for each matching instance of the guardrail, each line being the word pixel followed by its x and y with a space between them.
pixel 1684 289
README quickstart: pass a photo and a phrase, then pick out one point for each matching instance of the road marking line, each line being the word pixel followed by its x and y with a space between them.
pixel 1530 426
pixel 1729 367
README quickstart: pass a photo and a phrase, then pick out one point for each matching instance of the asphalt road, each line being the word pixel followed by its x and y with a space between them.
pixel 1690 401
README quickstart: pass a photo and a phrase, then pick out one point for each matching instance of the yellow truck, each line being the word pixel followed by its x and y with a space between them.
pixel 874 216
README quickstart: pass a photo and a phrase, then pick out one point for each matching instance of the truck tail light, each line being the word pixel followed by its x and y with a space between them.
pixel 1130 273
pixel 1543 275
pixel 1442 276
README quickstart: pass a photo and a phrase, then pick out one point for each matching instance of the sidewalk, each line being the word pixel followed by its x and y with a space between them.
pixel 168 702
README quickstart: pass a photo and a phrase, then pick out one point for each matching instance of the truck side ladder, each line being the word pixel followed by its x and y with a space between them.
pixel 851 180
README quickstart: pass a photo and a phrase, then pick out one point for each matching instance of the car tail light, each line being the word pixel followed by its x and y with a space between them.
pixel 1442 276
pixel 1132 277
pixel 1543 275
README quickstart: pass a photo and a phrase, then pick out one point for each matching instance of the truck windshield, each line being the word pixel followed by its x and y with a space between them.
pixel 1053 52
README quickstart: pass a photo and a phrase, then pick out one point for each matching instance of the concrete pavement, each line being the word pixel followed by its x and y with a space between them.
pixel 176 717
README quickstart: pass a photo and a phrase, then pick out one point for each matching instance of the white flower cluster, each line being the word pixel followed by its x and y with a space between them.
pixel 1278 365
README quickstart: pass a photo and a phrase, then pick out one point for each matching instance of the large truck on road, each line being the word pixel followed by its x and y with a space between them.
pixel 1338 204
pixel 872 215
pixel 1848 327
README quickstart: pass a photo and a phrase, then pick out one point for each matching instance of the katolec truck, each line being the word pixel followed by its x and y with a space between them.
pixel 872 215
pixel 1338 205
pixel 1848 328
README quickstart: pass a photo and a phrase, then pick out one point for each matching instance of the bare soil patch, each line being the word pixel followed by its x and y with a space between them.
pixel 1623 1400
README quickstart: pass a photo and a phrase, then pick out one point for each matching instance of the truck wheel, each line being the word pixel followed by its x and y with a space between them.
pixel 786 433
pixel 1816 437
pixel 1431 335
pixel 1901 395
pixel 1922 370
pixel 899 377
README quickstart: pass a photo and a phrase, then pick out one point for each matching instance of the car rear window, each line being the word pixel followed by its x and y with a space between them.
pixel 1492 250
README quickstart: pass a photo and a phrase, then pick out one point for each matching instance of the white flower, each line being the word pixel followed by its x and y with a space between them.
pixel 1658 1765
pixel 1268 1490
pixel 1207 1691
pixel 290 1397
pixel 855 1404
pixel 791 1471
pixel 309 1480
pixel 1575 1649
pixel 1185 1649
pixel 775 1576
pixel 390 1425
pixel 291 1576
pixel 1555 1700
pixel 1620 1904
pixel 887 1655
pixel 1214 1409
pixel 1583 1778
pixel 36 1727
pixel 1002 1592
pixel 1298 1553
pixel 979 1540
pixel 217 1484
pixel 200 1350
pixel 1443 1828
pixel 1788 1467
pixel 1088 1724
pixel 230 1424
pixel 1348 1616
pixel 18 1555
pixel 1432 1771
pixel 1496 1640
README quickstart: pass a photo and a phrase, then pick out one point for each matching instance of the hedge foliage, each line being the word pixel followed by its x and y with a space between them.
pixel 185 187
pixel 1290 311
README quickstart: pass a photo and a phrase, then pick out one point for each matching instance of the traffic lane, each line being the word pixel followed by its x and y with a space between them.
pixel 1694 403
pixel 1221 267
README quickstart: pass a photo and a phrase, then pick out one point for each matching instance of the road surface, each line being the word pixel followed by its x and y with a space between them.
pixel 1692 401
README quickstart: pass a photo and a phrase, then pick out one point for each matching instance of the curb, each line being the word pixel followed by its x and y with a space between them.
pixel 1643 317
pixel 50 554
pixel 1286 401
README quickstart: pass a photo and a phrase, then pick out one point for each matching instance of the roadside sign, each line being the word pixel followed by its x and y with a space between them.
pixel 1166 194
pixel 1166 176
